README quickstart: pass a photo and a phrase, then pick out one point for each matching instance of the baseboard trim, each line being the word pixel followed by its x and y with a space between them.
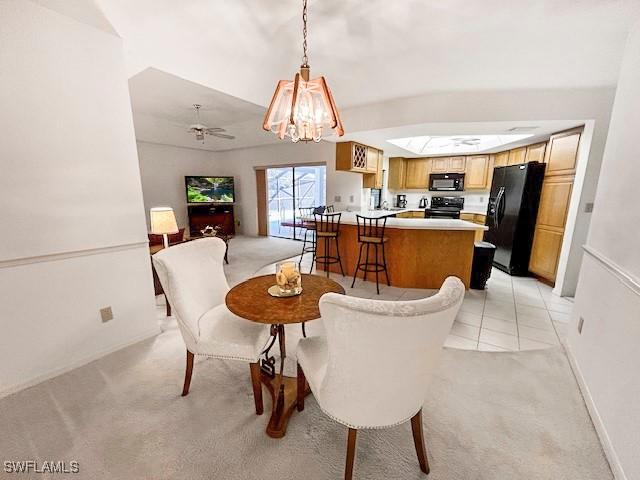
pixel 77 363
pixel 51 257
pixel 605 441
pixel 626 278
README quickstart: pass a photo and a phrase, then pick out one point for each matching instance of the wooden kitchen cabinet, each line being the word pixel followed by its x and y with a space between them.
pixel 448 164
pixel 517 156
pixel 440 165
pixel 351 157
pixel 397 173
pixel 372 160
pixel 555 197
pixel 562 153
pixel 356 157
pixel 374 180
pixel 476 172
pixel 535 153
pixel 501 159
pixel 457 164
pixel 545 253
pixel 554 201
pixel 478 219
pixel 417 173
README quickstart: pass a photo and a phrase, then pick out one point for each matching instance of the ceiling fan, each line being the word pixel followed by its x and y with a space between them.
pixel 468 141
pixel 201 130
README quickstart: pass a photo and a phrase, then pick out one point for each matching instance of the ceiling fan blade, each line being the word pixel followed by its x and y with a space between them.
pixel 222 135
pixel 215 130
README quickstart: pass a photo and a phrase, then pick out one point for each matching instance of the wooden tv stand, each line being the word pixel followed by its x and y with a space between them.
pixel 201 215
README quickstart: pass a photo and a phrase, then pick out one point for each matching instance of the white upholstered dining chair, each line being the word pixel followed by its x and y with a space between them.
pixel 193 279
pixel 373 367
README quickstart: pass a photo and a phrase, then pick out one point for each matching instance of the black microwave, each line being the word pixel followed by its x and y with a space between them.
pixel 446 182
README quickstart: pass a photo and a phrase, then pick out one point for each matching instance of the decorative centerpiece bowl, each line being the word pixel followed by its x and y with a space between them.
pixel 288 279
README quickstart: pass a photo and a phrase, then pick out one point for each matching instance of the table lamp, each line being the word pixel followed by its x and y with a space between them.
pixel 163 222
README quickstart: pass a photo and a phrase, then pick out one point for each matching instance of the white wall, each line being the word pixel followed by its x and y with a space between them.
pixel 163 168
pixel 241 164
pixel 606 354
pixel 74 237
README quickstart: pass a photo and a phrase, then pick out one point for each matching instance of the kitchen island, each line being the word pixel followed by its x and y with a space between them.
pixel 421 252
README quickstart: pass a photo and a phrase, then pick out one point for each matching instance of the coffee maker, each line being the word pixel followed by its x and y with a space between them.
pixel 401 201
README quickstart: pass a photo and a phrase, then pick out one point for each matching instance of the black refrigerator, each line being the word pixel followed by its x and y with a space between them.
pixel 511 215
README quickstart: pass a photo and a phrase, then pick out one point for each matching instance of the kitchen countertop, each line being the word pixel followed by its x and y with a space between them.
pixel 349 218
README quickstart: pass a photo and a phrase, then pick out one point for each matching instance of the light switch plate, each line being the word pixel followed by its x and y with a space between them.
pixel 588 207
pixel 106 314
pixel 337 199
pixel 351 198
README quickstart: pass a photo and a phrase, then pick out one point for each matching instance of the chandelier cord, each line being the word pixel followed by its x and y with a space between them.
pixel 305 59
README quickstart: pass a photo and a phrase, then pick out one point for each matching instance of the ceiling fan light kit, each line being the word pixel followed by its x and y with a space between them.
pixel 302 109
pixel 200 130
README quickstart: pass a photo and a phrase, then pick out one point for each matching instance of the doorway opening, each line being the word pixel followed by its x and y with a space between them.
pixel 288 190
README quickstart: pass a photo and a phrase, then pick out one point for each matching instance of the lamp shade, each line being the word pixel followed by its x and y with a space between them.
pixel 163 220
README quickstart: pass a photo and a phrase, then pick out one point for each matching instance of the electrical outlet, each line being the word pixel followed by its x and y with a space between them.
pixel 106 314
pixel 588 207
pixel 580 323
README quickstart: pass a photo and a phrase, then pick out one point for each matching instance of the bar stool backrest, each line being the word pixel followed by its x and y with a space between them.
pixel 329 209
pixel 327 222
pixel 306 212
pixel 306 216
pixel 371 227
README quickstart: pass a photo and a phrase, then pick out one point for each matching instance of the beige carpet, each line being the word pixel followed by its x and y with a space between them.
pixel 487 416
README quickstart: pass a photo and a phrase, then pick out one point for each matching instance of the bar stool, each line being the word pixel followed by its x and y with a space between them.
pixel 371 232
pixel 327 229
pixel 309 225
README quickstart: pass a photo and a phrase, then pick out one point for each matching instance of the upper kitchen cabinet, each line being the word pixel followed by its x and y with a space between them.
pixel 397 173
pixel 477 173
pixel 517 155
pixel 440 165
pixel 562 153
pixel 448 164
pixel 372 159
pixel 457 164
pixel 374 180
pixel 501 159
pixel 535 153
pixel 417 173
pixel 356 157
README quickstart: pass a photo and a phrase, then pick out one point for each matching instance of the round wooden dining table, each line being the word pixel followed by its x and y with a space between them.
pixel 251 301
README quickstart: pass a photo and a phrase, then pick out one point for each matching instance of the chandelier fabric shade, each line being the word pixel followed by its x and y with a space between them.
pixel 303 109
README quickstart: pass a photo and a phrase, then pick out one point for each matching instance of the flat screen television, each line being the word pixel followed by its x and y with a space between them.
pixel 209 189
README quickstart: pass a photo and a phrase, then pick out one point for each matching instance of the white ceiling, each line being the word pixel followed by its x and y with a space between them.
pixel 373 50
pixel 163 110
pixel 369 51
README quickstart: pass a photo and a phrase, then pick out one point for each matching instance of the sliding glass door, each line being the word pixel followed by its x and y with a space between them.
pixel 288 190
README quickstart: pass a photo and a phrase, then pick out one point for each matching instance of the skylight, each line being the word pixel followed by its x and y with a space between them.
pixel 450 144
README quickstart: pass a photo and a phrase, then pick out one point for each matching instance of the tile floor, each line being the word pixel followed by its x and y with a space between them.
pixel 511 314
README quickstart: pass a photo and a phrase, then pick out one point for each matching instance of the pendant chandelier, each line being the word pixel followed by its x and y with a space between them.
pixel 302 109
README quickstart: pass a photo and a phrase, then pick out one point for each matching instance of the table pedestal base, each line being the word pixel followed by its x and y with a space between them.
pixel 283 392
